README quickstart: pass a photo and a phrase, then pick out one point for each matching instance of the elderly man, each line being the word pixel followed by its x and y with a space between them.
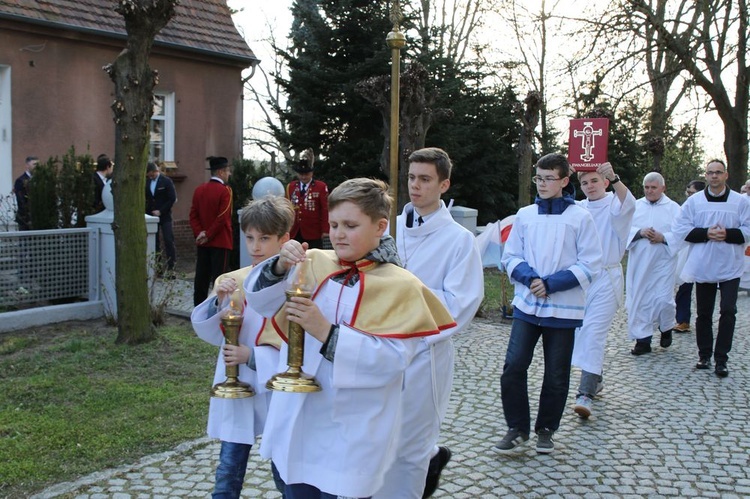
pixel 716 223
pixel 649 282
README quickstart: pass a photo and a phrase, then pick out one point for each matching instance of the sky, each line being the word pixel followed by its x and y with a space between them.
pixel 257 19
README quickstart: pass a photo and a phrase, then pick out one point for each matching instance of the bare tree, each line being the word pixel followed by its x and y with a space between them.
pixel 268 99
pixel 709 39
pixel 416 116
pixel 449 27
pixel 134 93
pixel 528 114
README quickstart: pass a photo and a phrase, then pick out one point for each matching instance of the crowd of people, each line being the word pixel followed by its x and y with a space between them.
pixel 380 320
pixel 563 258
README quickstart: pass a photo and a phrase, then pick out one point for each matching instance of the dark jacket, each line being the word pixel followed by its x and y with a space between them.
pixel 163 198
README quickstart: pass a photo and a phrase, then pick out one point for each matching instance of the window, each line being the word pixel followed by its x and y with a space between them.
pixel 161 147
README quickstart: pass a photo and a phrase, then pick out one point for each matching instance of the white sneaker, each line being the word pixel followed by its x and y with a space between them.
pixel 583 406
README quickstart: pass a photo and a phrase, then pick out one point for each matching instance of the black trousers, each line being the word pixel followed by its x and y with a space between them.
pixel 210 263
pixel 166 231
pixel 705 297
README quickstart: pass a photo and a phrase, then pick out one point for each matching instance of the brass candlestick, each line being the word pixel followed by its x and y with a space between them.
pixel 231 319
pixel 302 284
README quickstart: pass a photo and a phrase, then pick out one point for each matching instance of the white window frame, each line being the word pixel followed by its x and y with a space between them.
pixel 168 118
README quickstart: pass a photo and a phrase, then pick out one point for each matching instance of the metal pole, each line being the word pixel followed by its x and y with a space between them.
pixel 396 41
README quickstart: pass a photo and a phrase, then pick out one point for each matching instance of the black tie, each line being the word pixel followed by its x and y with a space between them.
pixel 302 189
pixel 420 221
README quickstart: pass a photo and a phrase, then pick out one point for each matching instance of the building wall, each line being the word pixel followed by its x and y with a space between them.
pixel 60 96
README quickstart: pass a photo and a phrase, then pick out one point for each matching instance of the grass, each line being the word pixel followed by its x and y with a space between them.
pixel 73 402
pixel 492 305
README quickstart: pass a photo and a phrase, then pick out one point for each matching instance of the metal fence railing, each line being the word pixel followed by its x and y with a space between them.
pixel 48 267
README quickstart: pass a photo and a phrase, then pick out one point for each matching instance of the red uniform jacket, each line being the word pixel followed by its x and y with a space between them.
pixel 212 211
pixel 311 212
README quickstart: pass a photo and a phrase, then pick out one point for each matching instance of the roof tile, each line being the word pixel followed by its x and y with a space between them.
pixel 203 25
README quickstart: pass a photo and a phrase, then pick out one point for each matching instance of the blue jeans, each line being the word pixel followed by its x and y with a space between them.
pixel 230 474
pixel 558 351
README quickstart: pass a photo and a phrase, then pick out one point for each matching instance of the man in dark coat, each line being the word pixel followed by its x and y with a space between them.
pixel 21 190
pixel 104 167
pixel 160 196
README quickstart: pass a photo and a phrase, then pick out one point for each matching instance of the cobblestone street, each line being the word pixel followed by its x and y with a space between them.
pixel 660 428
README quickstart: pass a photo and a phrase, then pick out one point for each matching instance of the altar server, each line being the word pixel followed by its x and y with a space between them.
pixel 613 214
pixel 652 257
pixel 364 325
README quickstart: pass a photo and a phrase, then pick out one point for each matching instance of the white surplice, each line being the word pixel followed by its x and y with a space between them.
pixel 237 420
pixel 650 279
pixel 343 438
pixel 443 255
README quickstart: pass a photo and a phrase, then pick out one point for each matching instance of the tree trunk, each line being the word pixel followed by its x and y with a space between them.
pixel 134 84
pixel 529 116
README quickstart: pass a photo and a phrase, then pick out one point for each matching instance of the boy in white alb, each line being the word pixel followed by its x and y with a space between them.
pixel 443 255
pixel 364 325
pixel 236 422
pixel 652 254
pixel 613 214
pixel 552 255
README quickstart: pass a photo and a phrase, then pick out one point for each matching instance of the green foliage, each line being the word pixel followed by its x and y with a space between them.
pixel 74 189
pixel 61 193
pixel 479 139
pixel 334 45
pixel 74 403
pixel 43 195
pixel 682 162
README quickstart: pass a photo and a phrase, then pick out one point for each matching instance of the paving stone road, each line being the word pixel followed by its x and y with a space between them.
pixel 660 429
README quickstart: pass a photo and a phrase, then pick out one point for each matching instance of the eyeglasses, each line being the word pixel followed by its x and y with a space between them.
pixel 543 180
pixel 717 172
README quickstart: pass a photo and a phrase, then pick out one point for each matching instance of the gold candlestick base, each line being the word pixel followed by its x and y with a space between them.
pixel 293 379
pixel 232 388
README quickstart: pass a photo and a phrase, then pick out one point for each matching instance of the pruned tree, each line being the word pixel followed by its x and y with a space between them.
pixel 417 115
pixel 134 85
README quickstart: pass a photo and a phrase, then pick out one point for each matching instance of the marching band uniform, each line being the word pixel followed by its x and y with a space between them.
pixel 342 439
pixel 310 200
pixel 211 212
pixel 310 208
pixel 651 273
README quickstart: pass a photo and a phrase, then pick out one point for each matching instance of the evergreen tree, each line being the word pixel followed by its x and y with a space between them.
pixel 335 44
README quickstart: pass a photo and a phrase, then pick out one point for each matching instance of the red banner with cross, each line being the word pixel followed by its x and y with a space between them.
pixel 587 143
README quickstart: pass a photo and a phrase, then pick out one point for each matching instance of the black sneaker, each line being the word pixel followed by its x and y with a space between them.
pixel 666 339
pixel 437 463
pixel 544 443
pixel 512 440
pixel 641 347
pixel 703 363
